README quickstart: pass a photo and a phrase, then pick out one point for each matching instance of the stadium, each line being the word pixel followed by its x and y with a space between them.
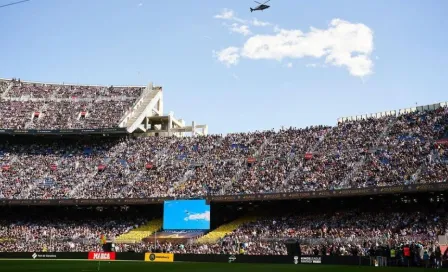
pixel 308 136
pixel 99 173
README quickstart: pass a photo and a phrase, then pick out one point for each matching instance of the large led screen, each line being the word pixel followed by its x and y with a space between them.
pixel 186 215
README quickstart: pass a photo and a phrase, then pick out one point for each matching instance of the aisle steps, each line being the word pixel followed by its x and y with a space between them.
pixel 219 233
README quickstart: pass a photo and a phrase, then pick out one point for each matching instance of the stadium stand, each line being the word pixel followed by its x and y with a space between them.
pixel 336 227
pixel 390 150
pixel 27 105
pixel 330 227
pixel 63 230
pixel 408 147
pixel 223 230
pixel 136 235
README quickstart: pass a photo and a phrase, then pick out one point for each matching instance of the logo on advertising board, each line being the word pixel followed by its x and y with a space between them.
pixel 311 260
pixel 232 258
pixel 101 256
pixel 43 256
pixel 296 259
pixel 159 257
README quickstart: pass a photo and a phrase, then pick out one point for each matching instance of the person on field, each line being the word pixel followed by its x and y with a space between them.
pixel 438 257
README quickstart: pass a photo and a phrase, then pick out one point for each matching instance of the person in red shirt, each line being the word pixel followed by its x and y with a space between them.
pixel 406 254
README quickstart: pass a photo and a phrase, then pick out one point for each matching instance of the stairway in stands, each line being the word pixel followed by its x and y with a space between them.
pixel 137 234
pixel 4 92
pixel 219 233
pixel 362 161
pixel 148 101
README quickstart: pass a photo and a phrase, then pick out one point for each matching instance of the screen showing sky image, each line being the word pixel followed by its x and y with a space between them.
pixel 186 215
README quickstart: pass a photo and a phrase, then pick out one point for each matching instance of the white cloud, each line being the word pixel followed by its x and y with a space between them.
pixel 241 29
pixel 316 65
pixel 256 22
pixel 229 56
pixel 228 14
pixel 140 4
pixel 198 216
pixel 289 65
pixel 342 44
pixel 240 26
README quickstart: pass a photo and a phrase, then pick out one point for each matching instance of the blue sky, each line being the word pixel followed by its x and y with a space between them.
pixel 393 55
pixel 186 215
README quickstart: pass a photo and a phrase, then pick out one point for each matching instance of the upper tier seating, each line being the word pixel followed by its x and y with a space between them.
pixel 50 106
pixel 356 154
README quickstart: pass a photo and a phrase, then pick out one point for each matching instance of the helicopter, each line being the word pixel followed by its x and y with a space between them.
pixel 260 7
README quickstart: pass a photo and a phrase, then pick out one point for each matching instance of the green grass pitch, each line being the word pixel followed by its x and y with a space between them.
pixel 137 266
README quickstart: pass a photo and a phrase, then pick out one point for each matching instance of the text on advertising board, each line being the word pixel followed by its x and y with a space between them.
pixel 159 257
pixel 43 256
pixel 313 260
pixel 101 255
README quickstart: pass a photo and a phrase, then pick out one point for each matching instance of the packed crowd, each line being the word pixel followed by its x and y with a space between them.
pixel 372 152
pixel 48 106
pixel 76 232
pixel 341 229
pixel 429 255
pixel 407 153
pixel 405 238
pixel 39 90
pixel 337 233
